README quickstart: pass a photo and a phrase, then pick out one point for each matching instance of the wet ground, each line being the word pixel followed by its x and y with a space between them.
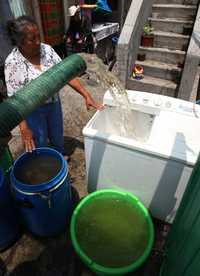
pixel 33 256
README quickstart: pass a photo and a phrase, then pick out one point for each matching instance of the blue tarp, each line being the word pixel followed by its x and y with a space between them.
pixel 102 6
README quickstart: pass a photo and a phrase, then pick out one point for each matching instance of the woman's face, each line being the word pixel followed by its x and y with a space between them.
pixel 31 43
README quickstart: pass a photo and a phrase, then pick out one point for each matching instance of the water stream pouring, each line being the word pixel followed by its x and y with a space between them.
pixel 98 71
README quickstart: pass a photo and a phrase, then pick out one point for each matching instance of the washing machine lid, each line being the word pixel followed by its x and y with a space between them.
pixel 176 136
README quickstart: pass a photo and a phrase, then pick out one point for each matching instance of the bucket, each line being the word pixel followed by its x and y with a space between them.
pixel 9 226
pixel 45 206
pixel 112 232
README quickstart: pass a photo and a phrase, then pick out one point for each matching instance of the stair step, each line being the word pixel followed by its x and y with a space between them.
pixel 161 70
pixel 171 40
pixel 153 85
pixel 179 2
pixel 171 25
pixel 174 11
pixel 163 55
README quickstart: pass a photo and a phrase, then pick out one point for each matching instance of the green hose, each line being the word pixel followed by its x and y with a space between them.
pixel 16 108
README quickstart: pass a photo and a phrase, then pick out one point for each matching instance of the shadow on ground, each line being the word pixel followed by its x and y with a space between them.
pixel 59 258
pixel 71 143
pixel 2 268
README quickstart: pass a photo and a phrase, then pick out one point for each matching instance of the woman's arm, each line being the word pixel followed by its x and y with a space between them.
pixel 90 102
pixel 15 79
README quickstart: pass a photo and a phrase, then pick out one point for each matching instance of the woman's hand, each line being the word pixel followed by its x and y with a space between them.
pixel 27 137
pixel 90 102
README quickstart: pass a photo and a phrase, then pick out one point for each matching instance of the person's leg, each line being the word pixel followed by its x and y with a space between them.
pixel 37 121
pixel 55 127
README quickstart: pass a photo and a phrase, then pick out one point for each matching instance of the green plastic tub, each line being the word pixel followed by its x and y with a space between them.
pixel 112 232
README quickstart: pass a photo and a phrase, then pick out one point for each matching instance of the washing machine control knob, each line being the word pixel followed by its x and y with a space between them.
pixel 145 100
pixel 133 98
pixel 168 104
pixel 158 102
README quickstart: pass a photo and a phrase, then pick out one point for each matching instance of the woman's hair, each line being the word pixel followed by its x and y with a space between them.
pixel 15 28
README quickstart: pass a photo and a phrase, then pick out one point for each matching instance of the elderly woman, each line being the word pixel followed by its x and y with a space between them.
pixel 27 61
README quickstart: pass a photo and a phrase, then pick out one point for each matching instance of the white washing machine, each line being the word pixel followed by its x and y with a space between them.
pixel 157 162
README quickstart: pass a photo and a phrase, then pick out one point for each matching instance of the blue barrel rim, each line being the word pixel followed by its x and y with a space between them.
pixel 42 187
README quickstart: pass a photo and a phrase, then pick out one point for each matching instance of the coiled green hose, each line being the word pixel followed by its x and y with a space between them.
pixel 16 108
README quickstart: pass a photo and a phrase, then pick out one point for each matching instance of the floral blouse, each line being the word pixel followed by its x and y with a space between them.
pixel 19 71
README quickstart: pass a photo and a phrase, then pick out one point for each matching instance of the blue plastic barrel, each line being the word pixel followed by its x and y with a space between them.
pixel 46 207
pixel 9 226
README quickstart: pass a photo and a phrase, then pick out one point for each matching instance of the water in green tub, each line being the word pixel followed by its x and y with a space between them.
pixel 112 232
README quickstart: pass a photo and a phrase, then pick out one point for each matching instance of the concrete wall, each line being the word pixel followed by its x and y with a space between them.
pixel 191 62
pixel 119 14
pixel 124 8
pixel 129 40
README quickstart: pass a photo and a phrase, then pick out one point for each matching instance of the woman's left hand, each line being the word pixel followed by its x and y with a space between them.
pixel 90 102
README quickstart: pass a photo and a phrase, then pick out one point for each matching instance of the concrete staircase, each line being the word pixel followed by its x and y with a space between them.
pixel 172 21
